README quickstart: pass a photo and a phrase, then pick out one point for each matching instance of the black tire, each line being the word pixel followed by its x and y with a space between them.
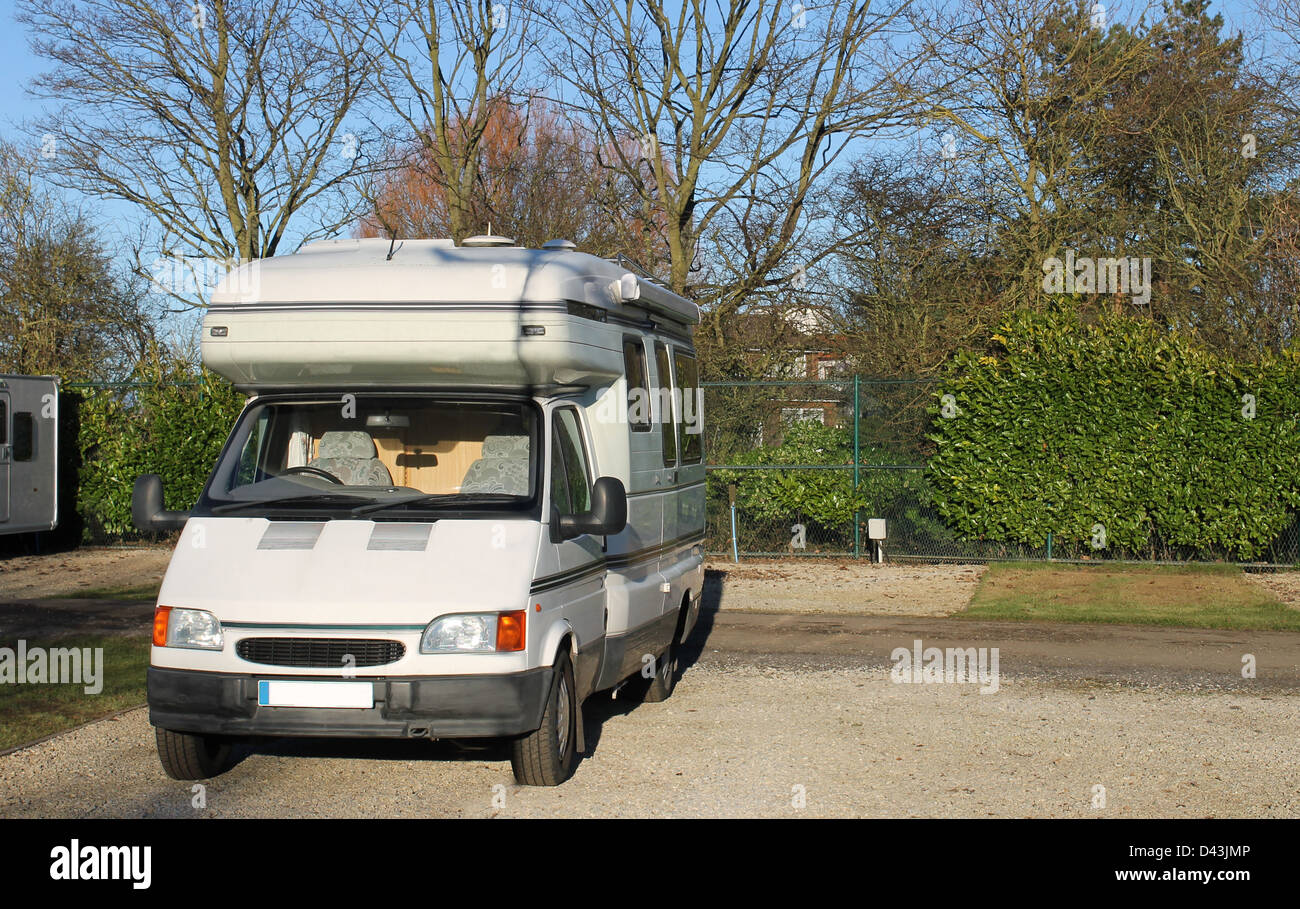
pixel 547 755
pixel 660 688
pixel 186 756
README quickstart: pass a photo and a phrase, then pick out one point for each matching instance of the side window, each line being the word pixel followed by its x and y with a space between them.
pixel 638 385
pixel 4 423
pixel 664 399
pixel 24 436
pixel 250 459
pixel 570 479
pixel 690 422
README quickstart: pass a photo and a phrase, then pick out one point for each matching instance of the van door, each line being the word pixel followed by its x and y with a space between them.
pixel 667 420
pixel 634 567
pixel 6 455
pixel 683 563
pixel 574 574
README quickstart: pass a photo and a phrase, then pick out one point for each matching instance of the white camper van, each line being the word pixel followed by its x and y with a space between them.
pixel 29 452
pixel 467 492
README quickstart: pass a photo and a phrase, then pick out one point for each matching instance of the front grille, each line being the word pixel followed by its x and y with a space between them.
pixel 320 652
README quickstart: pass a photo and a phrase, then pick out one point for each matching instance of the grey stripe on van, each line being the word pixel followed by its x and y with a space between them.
pixel 391 537
pixel 291 535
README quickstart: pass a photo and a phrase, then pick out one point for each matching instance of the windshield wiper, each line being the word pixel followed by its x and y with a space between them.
pixel 319 498
pixel 436 499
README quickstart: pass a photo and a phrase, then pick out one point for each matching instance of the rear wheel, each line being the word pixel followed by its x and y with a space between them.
pixel 186 756
pixel 546 756
pixel 665 678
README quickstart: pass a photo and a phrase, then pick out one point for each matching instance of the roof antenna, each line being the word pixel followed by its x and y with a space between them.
pixel 391 242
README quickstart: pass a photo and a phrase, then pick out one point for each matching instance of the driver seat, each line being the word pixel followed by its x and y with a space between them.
pixel 351 456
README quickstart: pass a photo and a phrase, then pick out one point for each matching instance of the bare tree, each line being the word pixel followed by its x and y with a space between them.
pixel 537 180
pixel 741 111
pixel 229 123
pixel 449 64
pixel 1031 76
pixel 63 309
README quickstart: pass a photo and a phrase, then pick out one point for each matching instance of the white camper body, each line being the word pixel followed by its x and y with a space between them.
pixel 417 526
pixel 29 452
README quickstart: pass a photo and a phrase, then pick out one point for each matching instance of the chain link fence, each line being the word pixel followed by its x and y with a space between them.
pixel 799 468
pixel 796 468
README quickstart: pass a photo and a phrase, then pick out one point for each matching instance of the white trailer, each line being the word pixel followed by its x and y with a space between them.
pixel 29 452
pixel 467 492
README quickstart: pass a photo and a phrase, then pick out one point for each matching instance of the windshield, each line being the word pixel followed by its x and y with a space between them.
pixel 376 453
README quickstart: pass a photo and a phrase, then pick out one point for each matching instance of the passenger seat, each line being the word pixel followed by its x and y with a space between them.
pixel 502 467
pixel 351 456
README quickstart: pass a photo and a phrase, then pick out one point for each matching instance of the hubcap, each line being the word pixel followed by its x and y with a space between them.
pixel 562 717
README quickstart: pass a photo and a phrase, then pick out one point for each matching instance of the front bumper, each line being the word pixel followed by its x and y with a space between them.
pixel 466 706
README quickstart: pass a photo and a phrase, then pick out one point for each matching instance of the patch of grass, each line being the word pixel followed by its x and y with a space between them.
pixel 32 711
pixel 146 592
pixel 1193 596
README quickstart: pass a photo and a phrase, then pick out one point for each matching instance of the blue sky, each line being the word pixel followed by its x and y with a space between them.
pixel 18 65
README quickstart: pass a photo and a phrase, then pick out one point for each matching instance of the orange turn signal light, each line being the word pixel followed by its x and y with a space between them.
pixel 510 630
pixel 161 615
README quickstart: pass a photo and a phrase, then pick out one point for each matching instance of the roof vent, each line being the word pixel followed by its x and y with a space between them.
pixel 487 240
pixel 559 244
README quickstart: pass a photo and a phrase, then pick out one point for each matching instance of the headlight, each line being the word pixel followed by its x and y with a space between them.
pixel 481 632
pixel 193 628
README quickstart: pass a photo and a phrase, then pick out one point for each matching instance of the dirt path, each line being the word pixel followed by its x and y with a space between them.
pixel 66 574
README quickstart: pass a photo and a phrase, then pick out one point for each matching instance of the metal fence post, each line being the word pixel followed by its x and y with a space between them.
pixel 857 518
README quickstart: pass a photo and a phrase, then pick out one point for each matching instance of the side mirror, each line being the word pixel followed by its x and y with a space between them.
pixel 147 512
pixel 608 513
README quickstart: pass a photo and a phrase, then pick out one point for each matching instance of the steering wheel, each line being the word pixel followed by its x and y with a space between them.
pixel 315 471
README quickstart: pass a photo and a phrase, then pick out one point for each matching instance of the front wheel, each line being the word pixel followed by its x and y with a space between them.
pixel 546 756
pixel 186 756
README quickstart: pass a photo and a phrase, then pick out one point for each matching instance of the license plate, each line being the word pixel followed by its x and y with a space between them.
pixel 355 695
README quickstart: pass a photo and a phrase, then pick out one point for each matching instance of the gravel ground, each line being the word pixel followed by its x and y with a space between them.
pixel 738 741
pixel 1285 585
pixel 777 707
pixel 827 586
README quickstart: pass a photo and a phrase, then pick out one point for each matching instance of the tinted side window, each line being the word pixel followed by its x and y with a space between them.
pixel 4 423
pixel 690 421
pixel 250 459
pixel 24 436
pixel 638 385
pixel 570 480
pixel 664 404
pixel 560 496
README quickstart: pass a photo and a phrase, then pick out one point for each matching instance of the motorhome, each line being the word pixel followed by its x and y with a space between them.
pixel 29 452
pixel 466 493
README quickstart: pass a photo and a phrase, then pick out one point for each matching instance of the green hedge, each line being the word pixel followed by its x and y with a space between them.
pixel 171 421
pixel 1070 427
